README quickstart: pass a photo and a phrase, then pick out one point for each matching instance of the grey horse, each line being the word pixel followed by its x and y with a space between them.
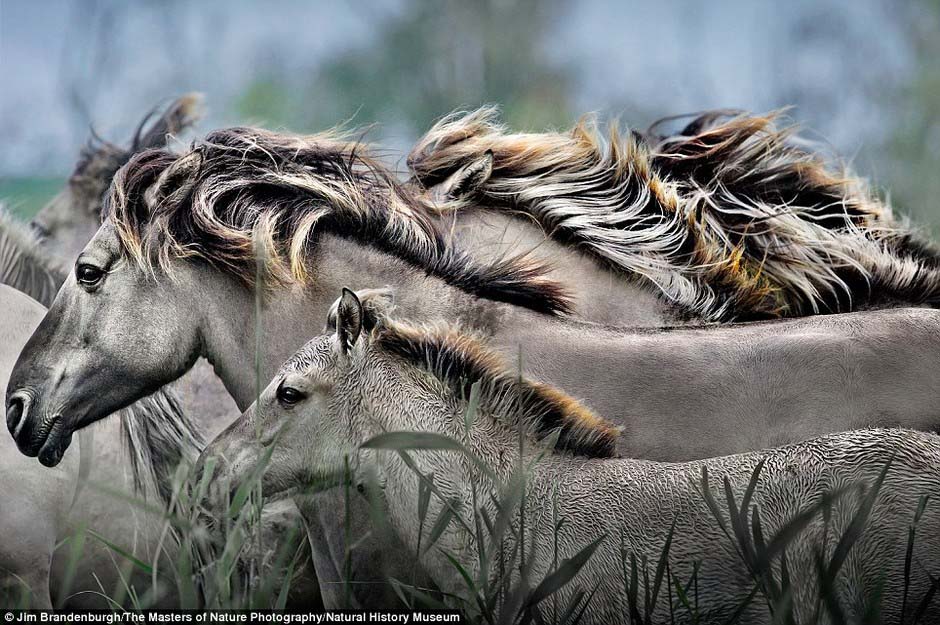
pixel 134 455
pixel 734 217
pixel 263 230
pixel 68 221
pixel 209 227
pixel 332 401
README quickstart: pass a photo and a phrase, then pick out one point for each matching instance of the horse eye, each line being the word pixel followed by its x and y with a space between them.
pixel 288 396
pixel 88 275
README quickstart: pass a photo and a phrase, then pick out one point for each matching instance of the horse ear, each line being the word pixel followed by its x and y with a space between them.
pixel 468 178
pixel 176 181
pixel 348 319
pixel 178 116
pixel 377 304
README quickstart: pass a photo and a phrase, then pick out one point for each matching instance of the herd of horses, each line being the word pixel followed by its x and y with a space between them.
pixel 637 319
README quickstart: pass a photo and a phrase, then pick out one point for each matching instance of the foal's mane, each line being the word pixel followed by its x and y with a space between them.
pixel 459 360
pixel 245 193
pixel 731 218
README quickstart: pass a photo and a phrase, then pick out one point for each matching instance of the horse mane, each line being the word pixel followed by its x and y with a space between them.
pixel 730 219
pixel 23 265
pixel 459 360
pixel 244 193
pixel 100 159
pixel 748 156
pixel 158 436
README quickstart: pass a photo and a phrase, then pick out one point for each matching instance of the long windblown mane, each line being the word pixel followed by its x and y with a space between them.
pixel 245 193
pixel 99 159
pixel 730 219
pixel 458 360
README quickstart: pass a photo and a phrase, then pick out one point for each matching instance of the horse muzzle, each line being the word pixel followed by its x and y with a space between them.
pixel 46 437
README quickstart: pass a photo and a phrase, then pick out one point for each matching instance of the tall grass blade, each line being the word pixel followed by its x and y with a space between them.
pixel 567 570
pixel 143 566
pixel 440 525
pixel 411 441
pixel 661 568
pixel 76 547
pixel 743 606
pixel 927 599
pixel 473 406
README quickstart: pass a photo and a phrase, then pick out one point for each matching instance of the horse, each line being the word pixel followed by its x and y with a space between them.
pixel 321 418
pixel 23 264
pixel 47 512
pixel 734 218
pixel 67 222
pixel 69 532
pixel 136 454
pixel 197 227
pixel 262 229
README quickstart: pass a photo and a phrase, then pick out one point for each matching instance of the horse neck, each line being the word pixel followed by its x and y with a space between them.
pixel 246 349
pixel 600 294
pixel 394 407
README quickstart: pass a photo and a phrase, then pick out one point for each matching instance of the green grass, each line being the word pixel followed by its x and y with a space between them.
pixel 24 196
pixel 223 561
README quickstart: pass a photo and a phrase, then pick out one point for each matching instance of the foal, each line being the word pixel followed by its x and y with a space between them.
pixel 337 404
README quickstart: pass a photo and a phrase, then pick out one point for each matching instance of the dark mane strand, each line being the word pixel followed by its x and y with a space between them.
pixel 732 218
pixel 241 190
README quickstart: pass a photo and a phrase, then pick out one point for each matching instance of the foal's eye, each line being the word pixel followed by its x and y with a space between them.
pixel 88 275
pixel 288 396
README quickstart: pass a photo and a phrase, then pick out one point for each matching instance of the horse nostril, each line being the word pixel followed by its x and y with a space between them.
pixel 16 412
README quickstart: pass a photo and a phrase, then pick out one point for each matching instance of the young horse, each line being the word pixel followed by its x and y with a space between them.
pixel 343 389
pixel 732 219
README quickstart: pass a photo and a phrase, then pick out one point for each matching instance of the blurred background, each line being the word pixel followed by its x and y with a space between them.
pixel 862 75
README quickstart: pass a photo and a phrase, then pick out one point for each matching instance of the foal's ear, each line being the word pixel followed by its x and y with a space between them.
pixel 348 319
pixel 469 178
pixel 377 305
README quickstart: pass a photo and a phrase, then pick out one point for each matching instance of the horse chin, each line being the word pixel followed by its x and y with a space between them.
pixel 53 448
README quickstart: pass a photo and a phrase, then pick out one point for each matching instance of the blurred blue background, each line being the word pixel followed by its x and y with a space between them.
pixel 861 75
